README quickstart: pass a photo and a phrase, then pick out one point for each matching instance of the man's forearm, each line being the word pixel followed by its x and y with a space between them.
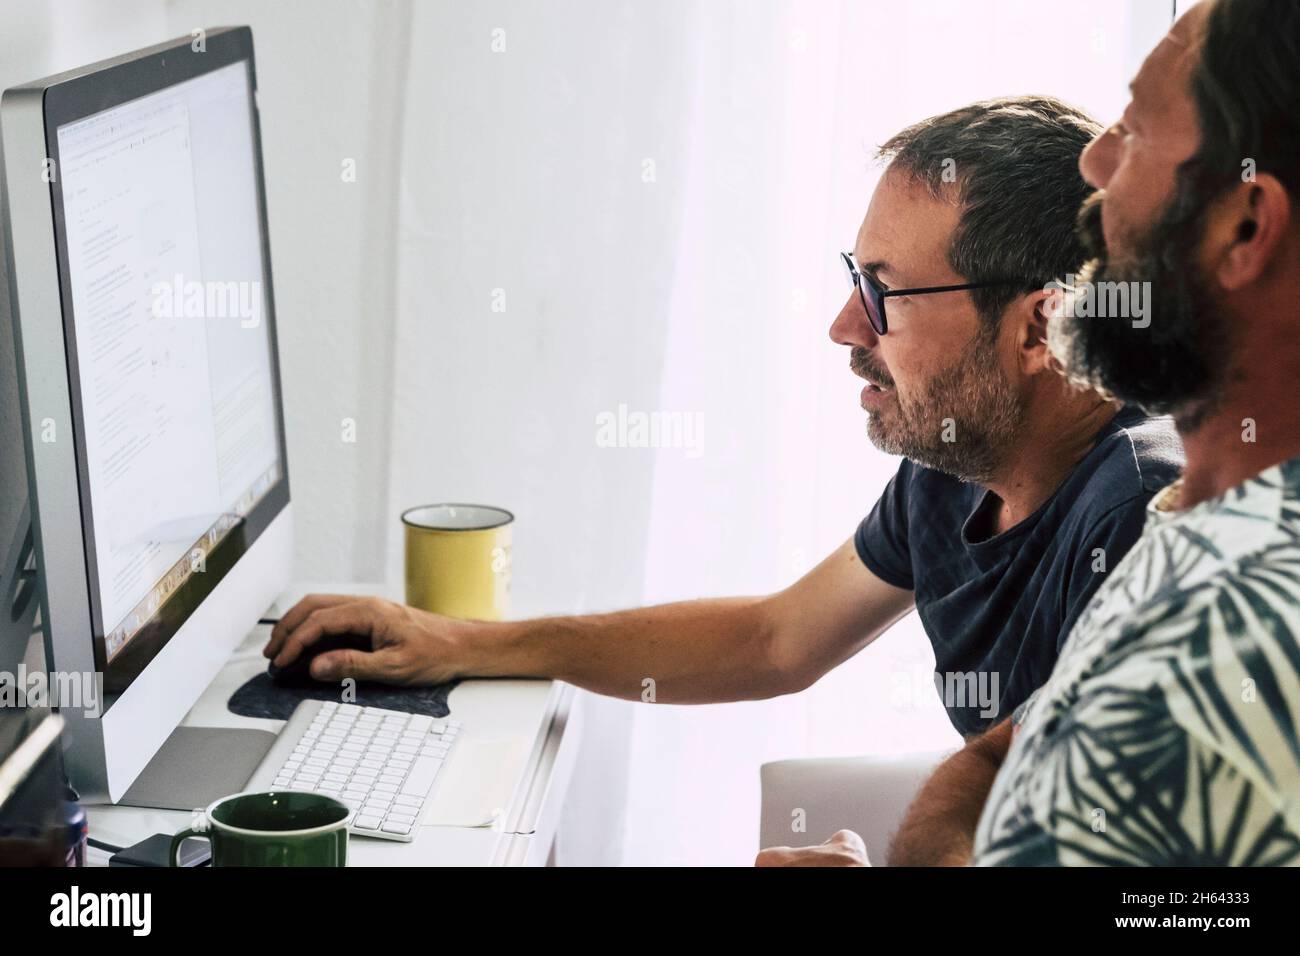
pixel 939 828
pixel 687 653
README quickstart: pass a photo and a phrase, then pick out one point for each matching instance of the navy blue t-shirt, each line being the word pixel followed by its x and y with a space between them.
pixel 998 608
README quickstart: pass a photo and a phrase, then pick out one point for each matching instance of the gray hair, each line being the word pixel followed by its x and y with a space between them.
pixel 1013 165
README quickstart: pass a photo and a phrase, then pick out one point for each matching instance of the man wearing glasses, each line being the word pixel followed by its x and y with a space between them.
pixel 1017 495
pixel 1167 734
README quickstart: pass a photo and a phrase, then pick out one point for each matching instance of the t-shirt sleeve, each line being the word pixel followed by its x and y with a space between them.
pixel 1103 546
pixel 881 538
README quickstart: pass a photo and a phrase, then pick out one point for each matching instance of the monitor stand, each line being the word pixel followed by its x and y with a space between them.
pixel 198 765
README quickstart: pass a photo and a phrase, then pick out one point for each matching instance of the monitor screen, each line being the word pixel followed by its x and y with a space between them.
pixel 170 346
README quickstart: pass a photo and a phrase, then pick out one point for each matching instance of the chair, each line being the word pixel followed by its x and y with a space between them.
pixel 868 795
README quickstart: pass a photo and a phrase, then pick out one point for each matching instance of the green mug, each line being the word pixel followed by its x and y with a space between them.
pixel 272 828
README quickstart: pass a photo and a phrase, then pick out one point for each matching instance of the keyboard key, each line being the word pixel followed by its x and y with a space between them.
pixel 367 822
pixel 402 828
pixel 420 779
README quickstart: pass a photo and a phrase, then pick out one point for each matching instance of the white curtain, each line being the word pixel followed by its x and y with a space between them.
pixel 786 102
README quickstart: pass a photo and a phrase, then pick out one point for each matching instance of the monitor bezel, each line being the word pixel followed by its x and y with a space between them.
pixel 79 98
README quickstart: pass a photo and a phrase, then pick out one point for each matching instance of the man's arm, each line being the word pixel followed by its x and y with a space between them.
pixel 695 652
pixel 939 828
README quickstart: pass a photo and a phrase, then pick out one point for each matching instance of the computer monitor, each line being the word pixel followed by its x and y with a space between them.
pixel 140 297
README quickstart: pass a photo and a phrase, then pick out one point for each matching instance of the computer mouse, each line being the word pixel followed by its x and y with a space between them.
pixel 298 673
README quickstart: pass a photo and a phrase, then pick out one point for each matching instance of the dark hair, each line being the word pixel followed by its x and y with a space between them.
pixel 1014 163
pixel 1246 86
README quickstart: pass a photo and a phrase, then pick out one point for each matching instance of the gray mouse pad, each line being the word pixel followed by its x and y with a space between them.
pixel 261 697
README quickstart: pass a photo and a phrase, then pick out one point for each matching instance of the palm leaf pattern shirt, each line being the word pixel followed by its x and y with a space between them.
pixel 1167 733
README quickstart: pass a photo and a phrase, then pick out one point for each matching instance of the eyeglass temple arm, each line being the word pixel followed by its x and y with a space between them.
pixel 946 288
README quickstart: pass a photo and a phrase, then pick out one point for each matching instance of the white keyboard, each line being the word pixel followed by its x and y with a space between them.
pixel 381 763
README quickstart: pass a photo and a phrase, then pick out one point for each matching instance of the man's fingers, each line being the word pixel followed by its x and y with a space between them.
pixel 773 856
pixel 848 839
pixel 296 615
pixel 844 848
pixel 356 617
pixel 359 665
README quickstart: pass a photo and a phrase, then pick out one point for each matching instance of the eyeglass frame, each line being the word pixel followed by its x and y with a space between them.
pixel 858 278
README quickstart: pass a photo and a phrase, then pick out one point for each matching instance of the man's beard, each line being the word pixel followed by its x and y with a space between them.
pixel 963 423
pixel 1176 363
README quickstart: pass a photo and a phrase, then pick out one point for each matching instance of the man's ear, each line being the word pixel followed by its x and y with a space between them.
pixel 1250 228
pixel 1030 313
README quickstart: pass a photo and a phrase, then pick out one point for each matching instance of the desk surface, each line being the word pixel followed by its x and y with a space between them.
pixel 512 763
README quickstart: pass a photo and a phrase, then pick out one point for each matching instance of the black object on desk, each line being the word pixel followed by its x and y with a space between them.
pixel 262 697
pixel 154 851
pixel 298 674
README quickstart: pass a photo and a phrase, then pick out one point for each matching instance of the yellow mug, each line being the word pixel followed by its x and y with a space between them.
pixel 458 560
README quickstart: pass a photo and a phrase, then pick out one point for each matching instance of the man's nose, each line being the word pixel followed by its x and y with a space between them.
pixel 1098 159
pixel 852 327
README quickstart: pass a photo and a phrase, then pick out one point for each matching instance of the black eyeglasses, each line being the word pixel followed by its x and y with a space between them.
pixel 873 296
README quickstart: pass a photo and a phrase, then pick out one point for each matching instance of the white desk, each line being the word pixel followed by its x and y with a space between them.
pixel 523 734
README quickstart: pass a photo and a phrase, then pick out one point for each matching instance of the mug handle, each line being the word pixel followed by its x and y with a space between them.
pixel 180 838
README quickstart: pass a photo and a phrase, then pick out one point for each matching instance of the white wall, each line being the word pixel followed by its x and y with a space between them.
pixel 331 80
pixel 523 173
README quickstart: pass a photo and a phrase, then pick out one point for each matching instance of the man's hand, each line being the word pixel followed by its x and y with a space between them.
pixel 845 848
pixel 409 646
